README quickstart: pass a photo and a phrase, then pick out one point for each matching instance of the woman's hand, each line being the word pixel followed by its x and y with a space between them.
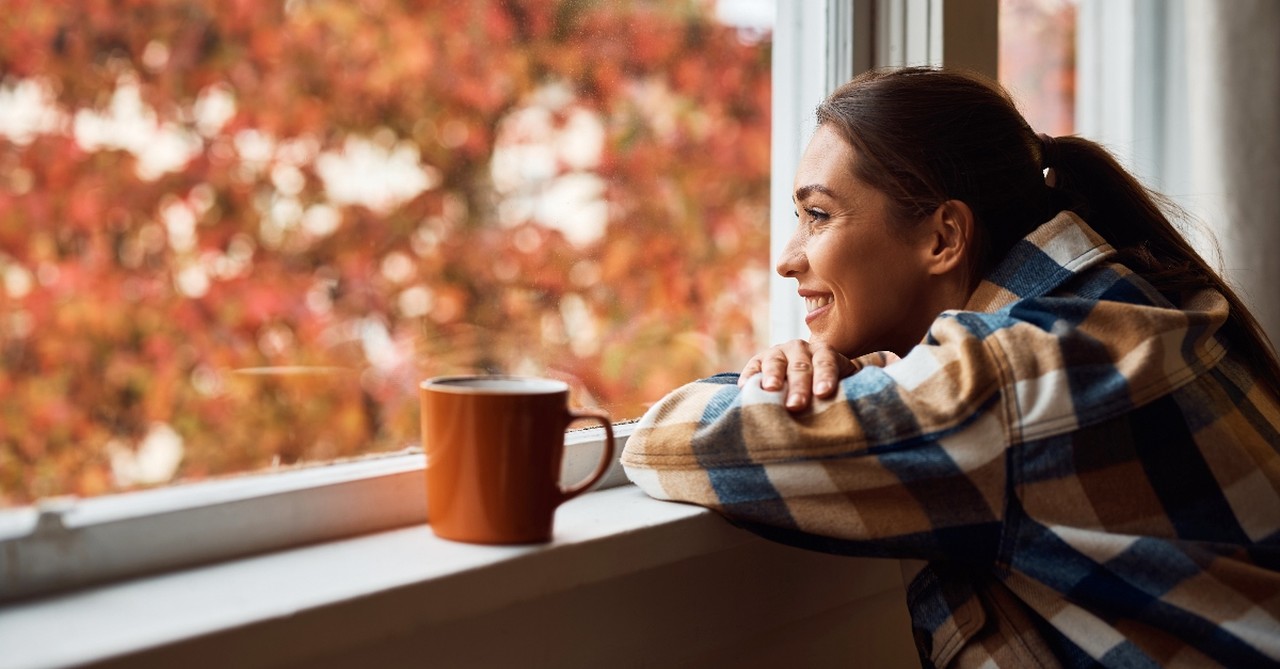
pixel 808 369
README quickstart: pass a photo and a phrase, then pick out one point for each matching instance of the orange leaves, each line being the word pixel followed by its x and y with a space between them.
pixel 1037 61
pixel 128 303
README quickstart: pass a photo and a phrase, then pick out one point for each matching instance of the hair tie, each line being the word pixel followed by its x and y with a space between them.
pixel 1048 151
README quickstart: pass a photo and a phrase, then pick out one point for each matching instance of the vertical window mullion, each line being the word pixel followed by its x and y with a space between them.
pixel 813 53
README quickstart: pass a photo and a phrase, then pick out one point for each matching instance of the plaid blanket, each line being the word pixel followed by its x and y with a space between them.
pixel 1085 472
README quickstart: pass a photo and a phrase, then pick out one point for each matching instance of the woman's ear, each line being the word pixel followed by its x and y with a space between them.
pixel 950 233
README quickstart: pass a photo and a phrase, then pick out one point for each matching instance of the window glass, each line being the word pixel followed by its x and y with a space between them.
pixel 1037 61
pixel 235 235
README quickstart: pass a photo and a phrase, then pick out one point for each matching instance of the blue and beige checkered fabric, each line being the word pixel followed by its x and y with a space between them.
pixel 1087 474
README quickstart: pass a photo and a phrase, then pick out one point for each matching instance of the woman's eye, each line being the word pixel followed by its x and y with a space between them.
pixel 813 215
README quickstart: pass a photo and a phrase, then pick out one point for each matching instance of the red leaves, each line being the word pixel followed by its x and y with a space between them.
pixel 116 316
pixel 1037 61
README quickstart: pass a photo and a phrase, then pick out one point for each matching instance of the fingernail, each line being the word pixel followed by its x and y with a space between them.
pixel 770 383
pixel 821 387
pixel 794 401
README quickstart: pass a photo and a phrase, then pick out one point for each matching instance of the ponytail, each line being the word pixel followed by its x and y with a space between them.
pixel 1088 180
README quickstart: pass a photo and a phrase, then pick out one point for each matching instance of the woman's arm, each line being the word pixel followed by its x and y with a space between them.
pixel 903 455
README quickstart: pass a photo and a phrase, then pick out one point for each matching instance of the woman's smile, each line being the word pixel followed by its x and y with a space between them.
pixel 815 303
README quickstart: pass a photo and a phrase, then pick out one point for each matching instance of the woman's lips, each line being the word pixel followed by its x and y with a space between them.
pixel 816 305
pixel 815 302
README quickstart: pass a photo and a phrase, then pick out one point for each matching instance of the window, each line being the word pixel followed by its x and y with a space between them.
pixel 63 543
pixel 235 239
pixel 1037 61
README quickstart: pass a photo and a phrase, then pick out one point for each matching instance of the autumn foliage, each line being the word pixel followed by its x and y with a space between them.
pixel 583 194
pixel 1038 61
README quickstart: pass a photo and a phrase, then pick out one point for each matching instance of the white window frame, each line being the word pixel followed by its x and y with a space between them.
pixel 819 45
pixel 65 543
pixel 1132 91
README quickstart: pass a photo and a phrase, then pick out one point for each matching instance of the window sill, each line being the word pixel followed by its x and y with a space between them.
pixel 65 543
pixel 381 595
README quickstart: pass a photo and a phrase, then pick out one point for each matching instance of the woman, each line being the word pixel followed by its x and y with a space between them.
pixel 1020 374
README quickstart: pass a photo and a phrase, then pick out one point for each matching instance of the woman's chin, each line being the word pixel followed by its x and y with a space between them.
pixel 843 348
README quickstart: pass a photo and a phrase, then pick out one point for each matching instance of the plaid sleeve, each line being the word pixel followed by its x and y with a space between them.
pixel 905 461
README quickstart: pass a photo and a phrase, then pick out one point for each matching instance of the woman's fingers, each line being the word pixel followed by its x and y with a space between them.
pixel 828 368
pixel 787 365
pixel 771 364
pixel 805 370
pixel 752 368
pixel 799 383
pixel 768 364
pixel 774 364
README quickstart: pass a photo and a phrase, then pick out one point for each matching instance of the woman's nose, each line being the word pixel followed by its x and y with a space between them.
pixel 792 262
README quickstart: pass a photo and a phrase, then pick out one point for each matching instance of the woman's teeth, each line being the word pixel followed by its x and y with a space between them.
pixel 815 303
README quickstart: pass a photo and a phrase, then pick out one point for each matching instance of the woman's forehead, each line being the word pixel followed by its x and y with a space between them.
pixel 827 165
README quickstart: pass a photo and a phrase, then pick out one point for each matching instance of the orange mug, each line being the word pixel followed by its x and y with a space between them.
pixel 494 446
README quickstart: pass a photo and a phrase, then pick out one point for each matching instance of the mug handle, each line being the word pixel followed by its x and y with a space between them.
pixel 606 457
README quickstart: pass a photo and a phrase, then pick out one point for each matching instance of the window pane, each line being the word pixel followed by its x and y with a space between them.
pixel 1037 61
pixel 236 235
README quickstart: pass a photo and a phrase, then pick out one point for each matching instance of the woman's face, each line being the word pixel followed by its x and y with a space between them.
pixel 864 282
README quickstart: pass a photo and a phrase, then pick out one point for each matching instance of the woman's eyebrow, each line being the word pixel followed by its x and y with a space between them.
pixel 804 191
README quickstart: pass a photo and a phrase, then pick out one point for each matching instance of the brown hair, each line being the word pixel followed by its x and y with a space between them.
pixel 924 136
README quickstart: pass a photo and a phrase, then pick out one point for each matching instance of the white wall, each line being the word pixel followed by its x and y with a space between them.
pixel 1233 75
pixel 1187 94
